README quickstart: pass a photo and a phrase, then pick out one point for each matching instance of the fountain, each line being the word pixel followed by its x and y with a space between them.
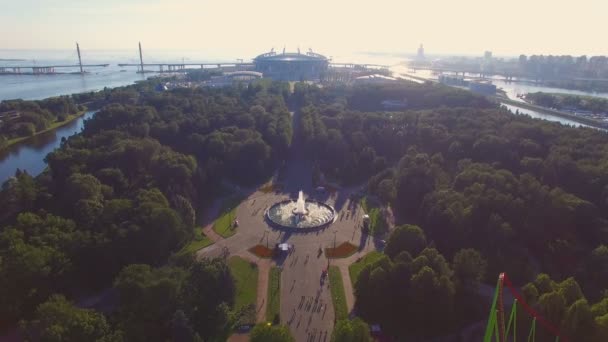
pixel 300 213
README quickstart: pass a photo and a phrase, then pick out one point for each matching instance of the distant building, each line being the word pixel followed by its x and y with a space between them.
pixel 453 80
pixel 292 66
pixel 420 55
pixel 482 88
pixel 487 55
pixel 375 79
pixel 230 78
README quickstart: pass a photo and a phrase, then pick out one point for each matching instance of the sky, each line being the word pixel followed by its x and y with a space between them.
pixel 244 28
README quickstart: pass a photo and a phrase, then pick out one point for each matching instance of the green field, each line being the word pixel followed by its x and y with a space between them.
pixel 357 267
pixel 377 224
pixel 223 225
pixel 337 293
pixel 198 242
pixel 246 278
pixel 274 294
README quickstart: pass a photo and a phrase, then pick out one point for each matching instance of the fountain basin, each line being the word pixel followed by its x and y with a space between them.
pixel 286 214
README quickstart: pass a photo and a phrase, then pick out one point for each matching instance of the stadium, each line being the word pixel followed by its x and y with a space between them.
pixel 292 66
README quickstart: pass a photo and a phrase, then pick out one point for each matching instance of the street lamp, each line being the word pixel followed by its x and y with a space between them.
pixel 335 231
pixel 267 235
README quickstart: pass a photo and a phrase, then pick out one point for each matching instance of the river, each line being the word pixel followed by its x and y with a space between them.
pixel 512 89
pixel 29 155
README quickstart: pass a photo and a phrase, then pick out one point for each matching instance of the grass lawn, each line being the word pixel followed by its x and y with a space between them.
pixel 337 293
pixel 198 242
pixel 274 294
pixel 377 224
pixel 53 126
pixel 223 225
pixel 246 277
pixel 358 266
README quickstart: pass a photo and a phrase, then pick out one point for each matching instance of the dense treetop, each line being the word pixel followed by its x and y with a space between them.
pixel 126 191
pixel 528 196
pixel 20 118
pixel 475 189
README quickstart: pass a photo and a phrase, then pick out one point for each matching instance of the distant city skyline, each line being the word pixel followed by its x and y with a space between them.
pixel 244 28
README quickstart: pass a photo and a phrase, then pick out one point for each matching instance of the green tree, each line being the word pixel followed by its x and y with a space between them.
pixel 148 299
pixel 469 267
pixel 408 238
pixel 346 331
pixel 207 294
pixel 264 332
pixel 58 320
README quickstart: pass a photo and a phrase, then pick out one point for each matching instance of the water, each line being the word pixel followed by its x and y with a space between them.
pixel 543 116
pixel 300 204
pixel 35 87
pixel 29 155
pixel 512 89
pixel 287 214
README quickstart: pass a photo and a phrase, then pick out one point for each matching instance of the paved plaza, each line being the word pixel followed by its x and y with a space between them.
pixel 306 305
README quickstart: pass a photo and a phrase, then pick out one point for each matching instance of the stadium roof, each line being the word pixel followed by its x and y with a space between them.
pixel 290 56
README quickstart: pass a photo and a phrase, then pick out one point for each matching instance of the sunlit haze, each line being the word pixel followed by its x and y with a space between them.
pixel 245 28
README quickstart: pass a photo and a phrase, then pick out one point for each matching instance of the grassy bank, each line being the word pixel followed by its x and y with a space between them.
pixel 273 308
pixel 357 267
pixel 52 127
pixel 199 241
pixel 224 224
pixel 337 293
pixel 246 278
pixel 377 224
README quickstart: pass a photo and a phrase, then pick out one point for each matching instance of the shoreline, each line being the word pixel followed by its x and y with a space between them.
pixel 504 99
pixel 54 126
pixel 550 111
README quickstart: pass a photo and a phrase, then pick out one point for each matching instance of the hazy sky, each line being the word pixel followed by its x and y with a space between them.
pixel 247 27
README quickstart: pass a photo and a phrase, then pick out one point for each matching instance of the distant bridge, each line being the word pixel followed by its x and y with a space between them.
pixel 170 67
pixel 470 70
pixel 43 69
pixel 47 69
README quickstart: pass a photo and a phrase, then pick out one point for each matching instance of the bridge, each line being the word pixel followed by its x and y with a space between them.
pixel 358 65
pixel 47 69
pixel 171 67
pixel 43 69
pixel 508 75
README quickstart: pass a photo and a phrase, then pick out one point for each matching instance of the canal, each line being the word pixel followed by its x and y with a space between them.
pixel 29 155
